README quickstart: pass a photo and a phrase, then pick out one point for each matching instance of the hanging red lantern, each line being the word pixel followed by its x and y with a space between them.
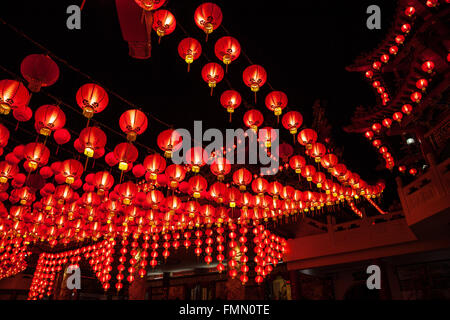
pixel 409 11
pixel 432 3
pixel 428 66
pixel 393 50
pixel 208 17
pixel 71 170
pixel 126 153
pixel 230 99
pixel 220 168
pixel 318 150
pixel 308 172
pixel 92 140
pixel 149 5
pixel 292 120
pixel 197 184
pixel 4 136
pixel 212 73
pixel 401 169
pixel 92 99
pixel 164 23
pixel 254 77
pixel 40 71
pixel 22 114
pixel 267 135
pixel 242 178
pixel 169 141
pixel 413 171
pixel 133 122
pixel 328 161
pixel 189 49
pixel 422 84
pixel 376 65
pixel 407 109
pixel 397 116
pixel 13 95
pixel 196 157
pixel 376 143
pixel 36 154
pixel 297 163
pixel 49 118
pixel 7 171
pixel 376 127
pixel 369 74
pixel 253 119
pixel 276 101
pixel 154 164
pixel 368 135
pixel 416 97
pixel 387 122
pixel 103 181
pixel 175 173
pixel 227 49
pixel 61 136
pixel 260 186
pixel 384 58
pixel 399 39
pixel 406 28
pixel 307 137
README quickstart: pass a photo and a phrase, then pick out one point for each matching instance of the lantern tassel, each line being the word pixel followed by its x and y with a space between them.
pixel 189 66
pixel 230 117
pixel 212 88
pixel 85 163
pixel 226 68
pixel 17 126
pixel 255 97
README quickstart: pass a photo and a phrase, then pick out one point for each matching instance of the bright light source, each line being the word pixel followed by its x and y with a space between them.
pixel 410 141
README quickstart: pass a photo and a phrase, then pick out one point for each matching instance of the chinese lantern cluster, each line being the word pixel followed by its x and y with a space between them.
pixel 13 252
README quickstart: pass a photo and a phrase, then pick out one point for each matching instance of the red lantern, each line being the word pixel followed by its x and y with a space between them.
pixel 189 49
pixel 328 161
pixel 103 181
pixel 368 135
pixel 22 114
pixel 376 127
pixel 220 167
pixel 126 153
pixel 49 118
pixel 36 154
pixel 422 84
pixel 133 122
pixel 318 150
pixel 7 171
pixel 399 39
pixel 154 164
pixel 260 186
pixel 196 157
pixel 254 77
pixel 428 66
pixel 92 99
pixel 402 169
pixel 197 184
pixel 242 178
pixel 376 65
pixel 432 3
pixel 13 94
pixel 212 73
pixel 413 171
pixel 61 136
pixel 40 71
pixel 168 141
pixel 416 97
pixel 384 58
pixel 175 173
pixel 407 109
pixel 297 163
pixel 387 122
pixel 149 5
pixel 397 116
pixel 292 120
pixel 308 172
pixel 393 50
pixel 92 140
pixel 253 119
pixel 164 23
pixel 406 28
pixel 227 49
pixel 208 17
pixel 409 11
pixel 71 170
pixel 276 101
pixel 369 74
pixel 267 135
pixel 4 136
pixel 230 99
pixel 307 137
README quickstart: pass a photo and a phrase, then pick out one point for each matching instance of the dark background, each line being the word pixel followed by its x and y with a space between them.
pixel 304 46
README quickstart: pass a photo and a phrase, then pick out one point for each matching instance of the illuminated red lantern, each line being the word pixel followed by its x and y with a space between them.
pixel 189 49
pixel 40 71
pixel 260 186
pixel 220 167
pixel 376 65
pixel 399 39
pixel 227 49
pixel 196 157
pixel 230 99
pixel 164 23
pixel 71 170
pixel 254 77
pixel 234 197
pixel 397 116
pixel 407 109
pixel 368 135
pixel 36 154
pixel 318 150
pixel 169 141
pixel 393 50
pixel 422 84
pixel 149 5
pixel 428 66
pixel 416 97
pixel 307 137
pixel 296 163
pixel 61 136
pixel 208 17
pixel 308 172
pixel 218 191
pixel 402 169
pixel 384 58
pixel 133 122
pixel 7 171
pixel 175 173
pixel 103 181
pixel 340 170
pixel 387 122
pixel 154 164
pixel 328 161
pixel 319 178
pixel 413 171
pixel 406 28
pixel 276 101
pixel 4 136
pixel 242 178
pixel 92 99
pixel 253 119
pixel 127 191
pixel 49 118
pixel 212 73
pixel 369 74
pixel 409 11
pixel 432 3
pixel 267 135
pixel 13 95
pixel 376 143
pixel 383 150
pixel 376 127
pixel 197 184
pixel 274 189
pixel 92 140
pixel 22 114
pixel 292 120
pixel 126 153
